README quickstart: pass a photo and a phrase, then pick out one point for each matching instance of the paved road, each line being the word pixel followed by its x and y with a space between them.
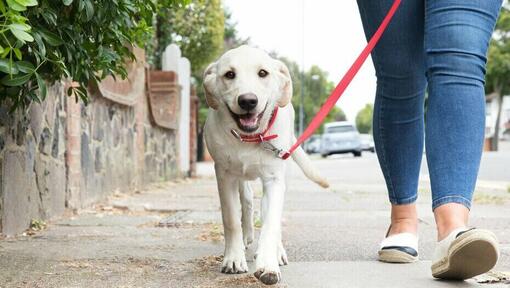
pixel 171 236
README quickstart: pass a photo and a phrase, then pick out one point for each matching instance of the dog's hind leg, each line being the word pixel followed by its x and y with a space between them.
pixel 246 194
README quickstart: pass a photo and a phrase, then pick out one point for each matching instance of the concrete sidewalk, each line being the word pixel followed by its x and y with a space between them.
pixel 171 236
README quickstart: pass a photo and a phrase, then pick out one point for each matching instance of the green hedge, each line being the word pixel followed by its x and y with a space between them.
pixel 43 41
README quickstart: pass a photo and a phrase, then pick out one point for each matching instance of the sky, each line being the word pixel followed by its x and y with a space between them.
pixel 325 33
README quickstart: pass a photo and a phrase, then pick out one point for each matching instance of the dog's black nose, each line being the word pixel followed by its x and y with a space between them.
pixel 247 101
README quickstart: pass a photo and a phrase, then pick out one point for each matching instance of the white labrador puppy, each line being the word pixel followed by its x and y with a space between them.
pixel 249 95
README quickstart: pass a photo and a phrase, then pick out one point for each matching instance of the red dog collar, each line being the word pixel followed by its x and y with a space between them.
pixel 259 137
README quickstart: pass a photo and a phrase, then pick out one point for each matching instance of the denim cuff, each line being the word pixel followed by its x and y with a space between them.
pixel 451 199
pixel 403 201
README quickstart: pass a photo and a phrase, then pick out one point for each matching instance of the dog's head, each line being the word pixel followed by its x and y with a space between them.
pixel 247 84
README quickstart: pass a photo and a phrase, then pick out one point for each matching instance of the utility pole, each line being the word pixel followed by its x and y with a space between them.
pixel 302 104
pixel 302 98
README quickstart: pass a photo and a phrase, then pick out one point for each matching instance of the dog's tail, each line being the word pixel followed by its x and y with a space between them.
pixel 308 169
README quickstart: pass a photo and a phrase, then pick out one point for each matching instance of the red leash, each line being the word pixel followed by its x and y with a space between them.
pixel 342 85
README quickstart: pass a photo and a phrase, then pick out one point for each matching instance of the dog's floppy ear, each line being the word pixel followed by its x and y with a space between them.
pixel 209 82
pixel 285 83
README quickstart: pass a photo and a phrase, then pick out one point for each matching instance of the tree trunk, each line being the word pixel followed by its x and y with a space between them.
pixel 495 139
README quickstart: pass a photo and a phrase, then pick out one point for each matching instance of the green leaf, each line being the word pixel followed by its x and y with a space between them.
pixel 82 93
pixel 81 4
pixel 40 44
pixel 89 9
pixel 50 17
pixel 1 50
pixel 42 86
pixel 25 66
pixel 15 81
pixel 18 18
pixel 50 37
pixel 6 51
pixel 20 26
pixel 21 35
pixel 67 2
pixel 15 6
pixel 27 2
pixel 17 52
pixel 6 67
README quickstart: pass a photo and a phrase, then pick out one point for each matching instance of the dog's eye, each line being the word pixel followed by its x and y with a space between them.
pixel 263 73
pixel 230 75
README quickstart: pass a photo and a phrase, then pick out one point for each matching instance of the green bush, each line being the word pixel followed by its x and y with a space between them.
pixel 364 119
pixel 43 41
pixel 198 29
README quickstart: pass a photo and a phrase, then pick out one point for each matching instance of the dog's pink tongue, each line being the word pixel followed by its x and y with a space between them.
pixel 248 121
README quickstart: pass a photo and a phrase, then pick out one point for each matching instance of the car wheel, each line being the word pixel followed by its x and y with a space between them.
pixel 324 155
pixel 357 153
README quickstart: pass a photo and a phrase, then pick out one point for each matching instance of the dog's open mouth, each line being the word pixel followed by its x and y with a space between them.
pixel 248 122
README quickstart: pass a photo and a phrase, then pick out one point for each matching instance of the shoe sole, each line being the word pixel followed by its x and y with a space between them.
pixel 472 253
pixel 396 256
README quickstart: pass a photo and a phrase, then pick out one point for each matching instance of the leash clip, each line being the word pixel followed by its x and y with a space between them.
pixel 279 153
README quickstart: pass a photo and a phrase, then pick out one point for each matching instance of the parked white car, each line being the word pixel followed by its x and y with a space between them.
pixel 313 145
pixel 367 142
pixel 340 137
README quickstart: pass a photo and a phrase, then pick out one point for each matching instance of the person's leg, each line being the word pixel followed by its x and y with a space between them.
pixel 457 35
pixel 398 112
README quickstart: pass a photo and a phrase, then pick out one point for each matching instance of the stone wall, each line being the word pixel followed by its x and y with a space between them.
pixel 32 157
pixel 107 144
pixel 65 154
pixel 158 149
pixel 110 154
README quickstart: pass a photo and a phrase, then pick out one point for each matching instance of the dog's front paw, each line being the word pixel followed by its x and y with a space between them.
pixel 268 277
pixel 234 263
pixel 268 271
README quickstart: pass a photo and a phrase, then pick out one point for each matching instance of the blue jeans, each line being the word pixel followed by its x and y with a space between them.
pixel 438 46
